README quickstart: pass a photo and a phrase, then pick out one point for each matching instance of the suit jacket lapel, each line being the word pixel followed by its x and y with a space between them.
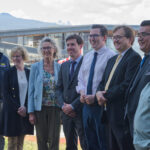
pixel 139 74
pixel 15 82
pixel 68 72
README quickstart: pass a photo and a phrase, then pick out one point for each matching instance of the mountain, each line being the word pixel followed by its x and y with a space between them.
pixel 9 22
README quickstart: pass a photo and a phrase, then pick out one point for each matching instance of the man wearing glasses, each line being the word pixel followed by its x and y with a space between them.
pixel 111 90
pixel 142 76
pixel 90 75
pixel 138 101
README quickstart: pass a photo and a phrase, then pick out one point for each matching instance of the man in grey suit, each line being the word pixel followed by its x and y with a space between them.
pixel 67 96
pixel 142 76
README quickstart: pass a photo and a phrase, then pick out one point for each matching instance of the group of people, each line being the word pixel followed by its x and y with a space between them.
pixel 102 97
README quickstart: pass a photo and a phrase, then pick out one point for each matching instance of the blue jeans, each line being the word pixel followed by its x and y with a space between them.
pixel 2 142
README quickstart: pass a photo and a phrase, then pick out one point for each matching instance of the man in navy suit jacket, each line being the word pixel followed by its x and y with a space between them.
pixel 111 90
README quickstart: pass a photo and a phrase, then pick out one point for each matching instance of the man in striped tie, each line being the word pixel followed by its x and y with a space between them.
pixel 111 90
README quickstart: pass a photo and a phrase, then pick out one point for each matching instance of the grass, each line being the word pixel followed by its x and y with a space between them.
pixel 30 144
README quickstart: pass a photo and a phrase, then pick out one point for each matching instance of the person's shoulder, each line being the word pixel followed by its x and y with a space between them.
pixel 134 52
pixel 4 57
pixel 36 64
pixel 65 63
pixel 56 64
pixel 88 54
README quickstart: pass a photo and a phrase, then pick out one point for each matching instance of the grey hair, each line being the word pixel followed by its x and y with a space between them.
pixel 48 39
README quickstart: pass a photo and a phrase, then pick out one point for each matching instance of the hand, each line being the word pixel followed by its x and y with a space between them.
pixel 82 97
pixel 22 111
pixel 32 118
pixel 89 99
pixel 100 97
pixel 67 108
pixel 72 114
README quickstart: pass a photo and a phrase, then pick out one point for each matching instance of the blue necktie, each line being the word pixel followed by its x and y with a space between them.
pixel 72 69
pixel 90 80
pixel 143 60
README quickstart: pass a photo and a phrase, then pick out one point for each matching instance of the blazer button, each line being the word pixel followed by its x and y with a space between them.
pixel 14 96
pixel 13 88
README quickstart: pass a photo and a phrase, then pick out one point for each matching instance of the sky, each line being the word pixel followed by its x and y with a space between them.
pixel 79 12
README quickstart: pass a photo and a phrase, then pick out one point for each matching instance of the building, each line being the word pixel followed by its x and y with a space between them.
pixel 30 38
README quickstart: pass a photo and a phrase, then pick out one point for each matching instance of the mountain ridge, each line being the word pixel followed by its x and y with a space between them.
pixel 9 22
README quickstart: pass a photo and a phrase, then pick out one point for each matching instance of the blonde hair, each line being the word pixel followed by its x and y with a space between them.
pixel 21 50
pixel 47 39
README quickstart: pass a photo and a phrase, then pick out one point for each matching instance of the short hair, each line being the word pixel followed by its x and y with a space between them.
pixel 102 28
pixel 129 32
pixel 21 50
pixel 75 36
pixel 145 23
pixel 48 39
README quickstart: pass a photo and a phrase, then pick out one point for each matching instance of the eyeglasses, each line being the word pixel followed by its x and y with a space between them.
pixel 47 48
pixel 118 37
pixel 17 56
pixel 94 35
pixel 143 34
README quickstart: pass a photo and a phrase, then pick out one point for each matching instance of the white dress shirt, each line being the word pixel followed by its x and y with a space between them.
pixel 104 54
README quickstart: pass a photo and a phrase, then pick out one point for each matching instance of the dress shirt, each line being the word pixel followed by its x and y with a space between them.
pixel 104 54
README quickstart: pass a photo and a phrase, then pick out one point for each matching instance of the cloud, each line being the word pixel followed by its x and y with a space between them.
pixel 97 11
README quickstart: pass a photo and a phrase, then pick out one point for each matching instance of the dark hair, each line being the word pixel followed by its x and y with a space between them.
pixel 75 36
pixel 102 28
pixel 129 33
pixel 145 23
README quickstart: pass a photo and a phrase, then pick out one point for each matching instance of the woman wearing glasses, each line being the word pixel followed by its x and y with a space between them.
pixel 42 105
pixel 16 121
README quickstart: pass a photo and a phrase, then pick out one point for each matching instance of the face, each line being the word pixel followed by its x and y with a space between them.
pixel 121 42
pixel 144 38
pixel 47 50
pixel 73 48
pixel 17 59
pixel 97 41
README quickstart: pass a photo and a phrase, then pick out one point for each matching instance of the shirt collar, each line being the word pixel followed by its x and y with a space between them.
pixel 124 52
pixel 101 50
pixel 77 60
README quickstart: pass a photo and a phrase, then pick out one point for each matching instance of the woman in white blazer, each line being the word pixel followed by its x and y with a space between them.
pixel 43 108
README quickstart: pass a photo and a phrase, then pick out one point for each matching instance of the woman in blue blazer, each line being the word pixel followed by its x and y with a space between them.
pixel 16 121
pixel 42 105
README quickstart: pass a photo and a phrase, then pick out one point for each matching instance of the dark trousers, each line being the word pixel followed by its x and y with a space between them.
pixel 119 138
pixel 94 129
pixel 73 127
pixel 48 128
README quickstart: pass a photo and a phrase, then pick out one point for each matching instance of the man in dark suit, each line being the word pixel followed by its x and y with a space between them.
pixel 141 77
pixel 111 90
pixel 68 98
